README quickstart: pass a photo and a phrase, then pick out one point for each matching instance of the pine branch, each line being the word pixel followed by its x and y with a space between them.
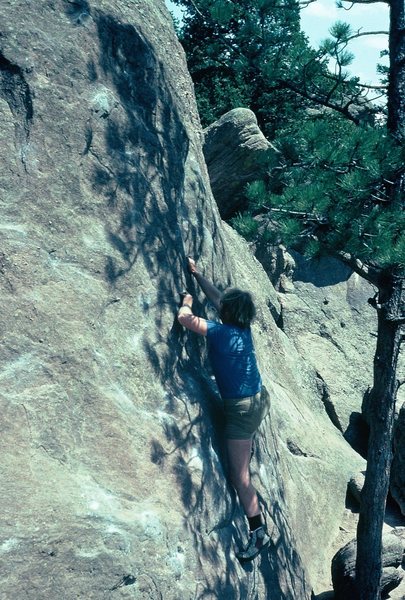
pixel 338 80
pixel 355 98
pixel 305 3
pixel 321 101
pixel 353 2
pixel 306 217
pixel 197 9
pixel 360 33
pixel 364 85
pixel 371 273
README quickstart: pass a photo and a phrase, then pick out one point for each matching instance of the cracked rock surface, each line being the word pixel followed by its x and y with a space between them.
pixel 236 153
pixel 112 457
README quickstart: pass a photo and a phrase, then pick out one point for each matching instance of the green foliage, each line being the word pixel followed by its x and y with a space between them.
pixel 335 46
pixel 332 187
pixel 255 192
pixel 333 192
pixel 340 31
pixel 238 51
pixel 313 249
pixel 246 226
pixel 252 53
pixel 290 230
pixel 222 12
pixel 383 69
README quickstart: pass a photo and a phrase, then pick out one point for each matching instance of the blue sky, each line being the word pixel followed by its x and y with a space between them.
pixel 318 17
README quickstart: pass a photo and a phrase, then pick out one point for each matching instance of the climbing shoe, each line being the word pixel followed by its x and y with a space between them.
pixel 258 539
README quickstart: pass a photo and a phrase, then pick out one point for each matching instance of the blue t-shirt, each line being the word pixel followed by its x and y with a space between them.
pixel 233 360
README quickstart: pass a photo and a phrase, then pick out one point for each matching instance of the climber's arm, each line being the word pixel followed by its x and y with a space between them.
pixel 186 317
pixel 213 294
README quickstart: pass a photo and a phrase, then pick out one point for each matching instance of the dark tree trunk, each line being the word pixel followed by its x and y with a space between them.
pixel 381 419
pixel 390 317
pixel 396 84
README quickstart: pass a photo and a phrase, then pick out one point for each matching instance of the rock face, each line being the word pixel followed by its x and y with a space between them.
pixel 236 153
pixel 332 324
pixel 326 313
pixel 112 463
pixel 398 463
pixel 343 566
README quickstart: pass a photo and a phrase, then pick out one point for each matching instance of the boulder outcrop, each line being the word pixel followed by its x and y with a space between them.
pixel 343 566
pixel 326 313
pixel 112 463
pixel 398 463
pixel 236 153
pixel 331 323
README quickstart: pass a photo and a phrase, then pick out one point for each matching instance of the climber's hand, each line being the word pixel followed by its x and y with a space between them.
pixel 192 267
pixel 185 298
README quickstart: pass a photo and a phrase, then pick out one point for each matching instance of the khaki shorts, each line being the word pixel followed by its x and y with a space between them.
pixel 244 415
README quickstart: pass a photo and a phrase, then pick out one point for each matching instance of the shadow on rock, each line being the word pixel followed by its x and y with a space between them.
pixel 143 184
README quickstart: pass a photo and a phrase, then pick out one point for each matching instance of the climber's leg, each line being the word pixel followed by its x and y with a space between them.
pixel 239 459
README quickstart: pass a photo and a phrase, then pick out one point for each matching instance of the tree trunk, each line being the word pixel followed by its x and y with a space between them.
pixel 381 420
pixel 396 83
pixel 385 385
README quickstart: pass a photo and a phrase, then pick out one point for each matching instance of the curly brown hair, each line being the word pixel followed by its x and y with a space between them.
pixel 237 308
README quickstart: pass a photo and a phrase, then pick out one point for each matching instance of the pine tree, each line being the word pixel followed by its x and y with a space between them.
pixel 252 53
pixel 238 52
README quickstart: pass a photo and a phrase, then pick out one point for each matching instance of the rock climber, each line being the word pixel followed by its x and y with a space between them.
pixel 246 401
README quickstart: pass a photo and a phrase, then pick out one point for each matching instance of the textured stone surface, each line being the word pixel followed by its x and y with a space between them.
pixel 334 327
pixel 398 463
pixel 112 463
pixel 326 313
pixel 343 565
pixel 235 151
pixel 398 593
pixel 356 484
